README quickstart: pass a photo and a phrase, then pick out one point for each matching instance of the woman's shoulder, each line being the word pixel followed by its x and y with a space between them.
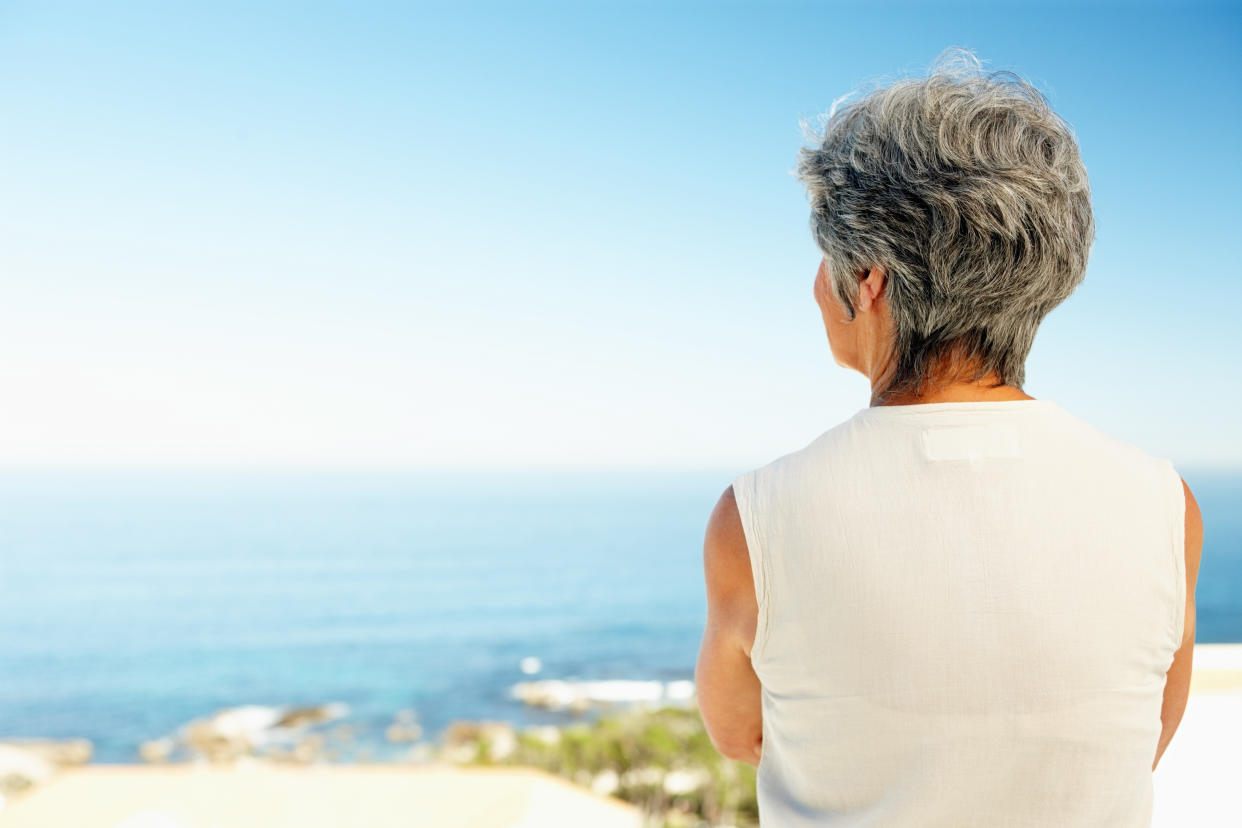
pixel 1105 448
pixel 808 454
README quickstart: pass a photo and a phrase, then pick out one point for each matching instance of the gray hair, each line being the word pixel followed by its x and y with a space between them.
pixel 969 191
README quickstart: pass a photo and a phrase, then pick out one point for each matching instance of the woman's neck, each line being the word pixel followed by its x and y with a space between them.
pixel 981 391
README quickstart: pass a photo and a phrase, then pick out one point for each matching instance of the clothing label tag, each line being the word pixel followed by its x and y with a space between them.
pixel 974 443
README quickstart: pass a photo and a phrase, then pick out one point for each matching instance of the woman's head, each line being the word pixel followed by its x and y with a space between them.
pixel 956 208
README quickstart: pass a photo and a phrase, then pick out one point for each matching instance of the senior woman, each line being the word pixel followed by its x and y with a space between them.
pixel 963 605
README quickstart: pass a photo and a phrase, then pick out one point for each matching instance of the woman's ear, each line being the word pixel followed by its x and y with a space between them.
pixel 871 286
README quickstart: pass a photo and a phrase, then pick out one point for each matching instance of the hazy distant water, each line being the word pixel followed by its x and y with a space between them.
pixel 130 604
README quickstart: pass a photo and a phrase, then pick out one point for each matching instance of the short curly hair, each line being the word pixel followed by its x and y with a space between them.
pixel 969 191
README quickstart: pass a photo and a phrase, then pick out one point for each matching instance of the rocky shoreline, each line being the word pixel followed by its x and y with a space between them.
pixel 26 763
pixel 647 746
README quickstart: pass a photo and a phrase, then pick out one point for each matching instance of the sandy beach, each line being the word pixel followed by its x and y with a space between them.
pixel 1195 784
pixel 255 794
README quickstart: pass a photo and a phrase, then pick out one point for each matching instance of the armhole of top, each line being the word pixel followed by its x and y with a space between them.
pixel 744 494
pixel 1178 497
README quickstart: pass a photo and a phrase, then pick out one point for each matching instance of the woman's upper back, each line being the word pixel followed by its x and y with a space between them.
pixel 966 614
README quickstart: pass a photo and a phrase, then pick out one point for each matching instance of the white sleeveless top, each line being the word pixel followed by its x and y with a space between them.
pixel 966 614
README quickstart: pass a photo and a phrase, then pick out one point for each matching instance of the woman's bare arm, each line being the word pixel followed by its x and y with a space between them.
pixel 1177 683
pixel 725 682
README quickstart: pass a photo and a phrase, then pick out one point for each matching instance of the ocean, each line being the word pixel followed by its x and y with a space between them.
pixel 133 603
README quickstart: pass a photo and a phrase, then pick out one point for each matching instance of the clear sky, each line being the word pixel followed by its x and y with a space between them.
pixel 534 235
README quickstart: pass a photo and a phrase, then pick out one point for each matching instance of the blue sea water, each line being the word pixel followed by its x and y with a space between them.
pixel 133 603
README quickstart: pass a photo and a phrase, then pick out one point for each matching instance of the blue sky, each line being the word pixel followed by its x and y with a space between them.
pixel 537 235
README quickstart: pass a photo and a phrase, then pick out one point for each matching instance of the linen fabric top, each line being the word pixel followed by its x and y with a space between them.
pixel 967 611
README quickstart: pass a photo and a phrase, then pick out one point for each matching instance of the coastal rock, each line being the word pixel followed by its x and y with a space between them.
pixel 21 769
pixel 27 763
pixel 464 741
pixel 61 753
pixel 309 748
pixel 303 716
pixel 202 738
pixel 232 733
pixel 156 750
pixel 578 696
